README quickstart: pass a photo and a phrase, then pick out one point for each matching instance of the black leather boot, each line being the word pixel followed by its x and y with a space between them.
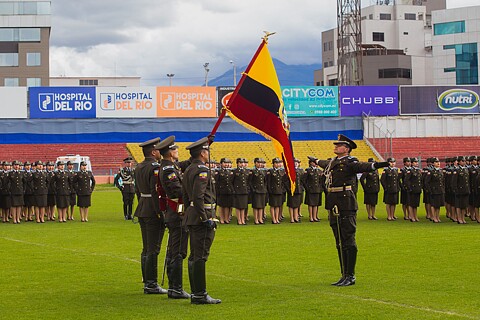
pixel 125 211
pixel 342 260
pixel 350 267
pixel 200 295
pixel 143 259
pixel 151 285
pixel 174 272
pixel 190 276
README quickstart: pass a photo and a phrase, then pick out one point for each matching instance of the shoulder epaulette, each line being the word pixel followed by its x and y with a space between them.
pixel 156 164
pixel 202 166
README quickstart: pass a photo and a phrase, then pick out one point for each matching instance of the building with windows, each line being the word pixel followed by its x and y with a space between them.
pixel 396 44
pixel 24 43
pixel 95 81
pixel 455 45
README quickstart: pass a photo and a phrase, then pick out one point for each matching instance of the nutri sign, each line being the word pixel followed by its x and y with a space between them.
pixel 372 100
pixel 440 100
pixel 62 102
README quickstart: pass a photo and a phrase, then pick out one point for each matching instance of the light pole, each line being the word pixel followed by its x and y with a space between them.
pixel 205 66
pixel 170 76
pixel 234 73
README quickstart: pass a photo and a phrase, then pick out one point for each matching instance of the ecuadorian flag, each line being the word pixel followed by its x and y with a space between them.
pixel 257 104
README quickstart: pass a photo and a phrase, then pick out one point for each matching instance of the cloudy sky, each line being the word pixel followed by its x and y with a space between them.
pixel 150 38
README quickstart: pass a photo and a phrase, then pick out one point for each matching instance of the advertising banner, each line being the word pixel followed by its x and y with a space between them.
pixel 186 102
pixel 439 100
pixel 223 94
pixel 62 102
pixel 127 102
pixel 372 100
pixel 310 101
pixel 13 102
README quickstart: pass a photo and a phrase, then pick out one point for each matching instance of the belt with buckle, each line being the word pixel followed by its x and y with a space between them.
pixel 206 205
pixel 339 189
pixel 145 195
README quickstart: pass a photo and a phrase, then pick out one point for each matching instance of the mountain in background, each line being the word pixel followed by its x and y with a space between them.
pixel 288 75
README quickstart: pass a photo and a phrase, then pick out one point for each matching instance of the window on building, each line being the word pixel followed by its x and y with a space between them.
pixel 19 34
pixel 370 16
pixel 405 33
pixel 394 73
pixel 410 16
pixel 466 63
pixel 449 28
pixel 378 36
pixel 385 16
pixel 25 8
pixel 88 82
pixel 34 59
pixel 11 82
pixel 34 82
pixel 8 59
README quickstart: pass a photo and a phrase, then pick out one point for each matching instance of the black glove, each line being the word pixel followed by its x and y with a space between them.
pixel 378 165
pixel 211 138
pixel 313 159
pixel 210 224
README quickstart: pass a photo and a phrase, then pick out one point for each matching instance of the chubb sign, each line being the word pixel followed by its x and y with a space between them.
pixel 462 99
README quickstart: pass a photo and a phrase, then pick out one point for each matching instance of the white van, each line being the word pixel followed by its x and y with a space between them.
pixel 75 159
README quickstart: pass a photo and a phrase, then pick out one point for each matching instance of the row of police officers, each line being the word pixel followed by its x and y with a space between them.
pixel 29 190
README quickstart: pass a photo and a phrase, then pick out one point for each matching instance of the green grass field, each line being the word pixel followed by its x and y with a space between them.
pixel 91 270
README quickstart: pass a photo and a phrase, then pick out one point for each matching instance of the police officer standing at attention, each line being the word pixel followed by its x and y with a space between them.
pixel 341 203
pixel 124 180
pixel 413 184
pixel 73 194
pixel 402 176
pixel 240 186
pixel 370 182
pixel 150 217
pixel 258 188
pixel 199 197
pixel 170 190
pixel 314 182
pixel 391 187
pixel 84 183
pixel 224 181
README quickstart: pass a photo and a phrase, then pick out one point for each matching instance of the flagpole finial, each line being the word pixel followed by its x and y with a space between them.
pixel 267 34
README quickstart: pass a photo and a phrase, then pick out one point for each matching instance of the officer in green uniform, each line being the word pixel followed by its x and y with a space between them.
pixel 258 187
pixel 151 219
pixel 342 204
pixel 171 202
pixel 314 182
pixel 199 197
pixel 370 182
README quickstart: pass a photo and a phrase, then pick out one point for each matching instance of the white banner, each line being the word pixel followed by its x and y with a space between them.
pixel 13 102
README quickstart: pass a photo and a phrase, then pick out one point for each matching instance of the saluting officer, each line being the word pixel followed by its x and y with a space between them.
pixel 40 191
pixel 314 183
pixel 84 183
pixel 370 182
pixel 199 197
pixel 150 217
pixel 17 188
pixel 240 187
pixel 224 183
pixel 341 173
pixel 391 187
pixel 171 202
pixel 434 183
pixel 124 180
pixel 258 188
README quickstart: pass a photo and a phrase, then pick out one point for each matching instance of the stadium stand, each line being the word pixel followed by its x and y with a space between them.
pixel 105 157
pixel 264 149
pixel 440 147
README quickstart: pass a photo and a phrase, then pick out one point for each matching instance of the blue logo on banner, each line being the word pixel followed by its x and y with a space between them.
pixel 458 99
pixel 62 102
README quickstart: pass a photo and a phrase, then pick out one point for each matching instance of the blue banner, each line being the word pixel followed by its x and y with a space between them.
pixel 62 102
pixel 310 101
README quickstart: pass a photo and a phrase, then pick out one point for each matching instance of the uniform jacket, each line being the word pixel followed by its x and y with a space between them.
pixel 258 180
pixel 342 172
pixel 460 180
pixel 389 180
pixel 40 181
pixel 240 180
pixel 170 178
pixel 71 176
pixel 276 181
pixel 370 182
pixel 16 182
pixel 127 176
pixel 198 193
pixel 434 181
pixel 61 183
pixel 84 183
pixel 313 180
pixel 299 187
pixel 28 182
pixel 413 180
pixel 146 175
pixel 224 181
